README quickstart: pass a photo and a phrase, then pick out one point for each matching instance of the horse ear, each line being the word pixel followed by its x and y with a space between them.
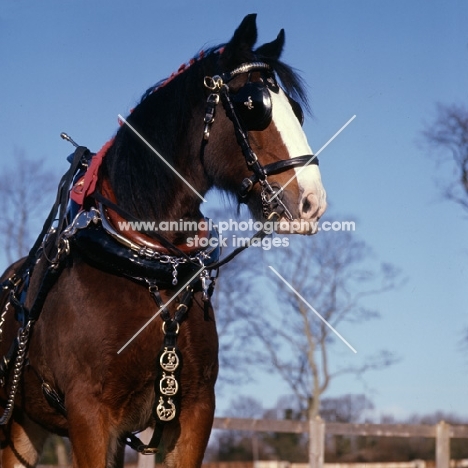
pixel 273 49
pixel 239 48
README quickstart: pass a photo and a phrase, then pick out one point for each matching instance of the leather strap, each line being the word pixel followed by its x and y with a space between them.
pixel 276 168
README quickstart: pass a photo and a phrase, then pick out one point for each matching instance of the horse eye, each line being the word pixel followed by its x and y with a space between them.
pixel 297 109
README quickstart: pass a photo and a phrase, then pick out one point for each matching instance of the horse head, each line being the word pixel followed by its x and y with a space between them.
pixel 230 119
pixel 271 166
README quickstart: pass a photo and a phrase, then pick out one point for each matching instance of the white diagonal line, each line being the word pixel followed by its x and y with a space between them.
pixel 159 311
pixel 161 157
pixel 313 157
pixel 313 310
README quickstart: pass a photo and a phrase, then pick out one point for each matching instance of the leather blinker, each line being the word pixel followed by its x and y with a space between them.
pixel 253 106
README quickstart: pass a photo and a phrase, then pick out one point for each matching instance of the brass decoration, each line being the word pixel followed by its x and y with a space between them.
pixel 166 410
pixel 168 384
pixel 169 360
pixel 249 103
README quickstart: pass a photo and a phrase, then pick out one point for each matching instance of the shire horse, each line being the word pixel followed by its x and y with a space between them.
pixel 106 331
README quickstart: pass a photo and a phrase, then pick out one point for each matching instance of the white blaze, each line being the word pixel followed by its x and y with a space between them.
pixel 295 140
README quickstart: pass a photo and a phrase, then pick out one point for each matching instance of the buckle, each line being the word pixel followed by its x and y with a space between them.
pixel 149 451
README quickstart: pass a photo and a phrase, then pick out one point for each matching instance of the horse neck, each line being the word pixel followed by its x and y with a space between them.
pixel 170 119
pixel 146 176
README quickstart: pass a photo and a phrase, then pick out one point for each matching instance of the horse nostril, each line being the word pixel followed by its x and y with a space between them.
pixel 306 205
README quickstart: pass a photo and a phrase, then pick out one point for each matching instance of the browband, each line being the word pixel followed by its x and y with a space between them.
pixel 244 68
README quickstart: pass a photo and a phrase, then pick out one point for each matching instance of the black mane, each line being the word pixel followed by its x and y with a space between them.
pixel 164 117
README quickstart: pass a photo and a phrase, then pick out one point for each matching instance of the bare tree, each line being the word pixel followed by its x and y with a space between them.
pixel 447 137
pixel 347 408
pixel 26 192
pixel 332 272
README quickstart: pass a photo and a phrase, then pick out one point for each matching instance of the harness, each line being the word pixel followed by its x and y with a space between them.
pixel 158 265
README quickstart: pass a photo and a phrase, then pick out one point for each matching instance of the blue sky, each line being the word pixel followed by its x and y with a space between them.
pixel 75 65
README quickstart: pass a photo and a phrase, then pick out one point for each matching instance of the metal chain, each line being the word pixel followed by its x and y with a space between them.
pixel 23 338
pixel 2 319
pixel 271 201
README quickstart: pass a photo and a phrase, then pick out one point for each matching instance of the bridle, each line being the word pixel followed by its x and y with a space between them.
pixel 249 109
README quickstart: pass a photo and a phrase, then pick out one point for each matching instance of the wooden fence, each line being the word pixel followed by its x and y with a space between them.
pixel 279 464
pixel 317 429
pixel 442 432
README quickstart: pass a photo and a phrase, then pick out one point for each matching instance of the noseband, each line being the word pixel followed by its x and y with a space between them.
pixel 250 109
